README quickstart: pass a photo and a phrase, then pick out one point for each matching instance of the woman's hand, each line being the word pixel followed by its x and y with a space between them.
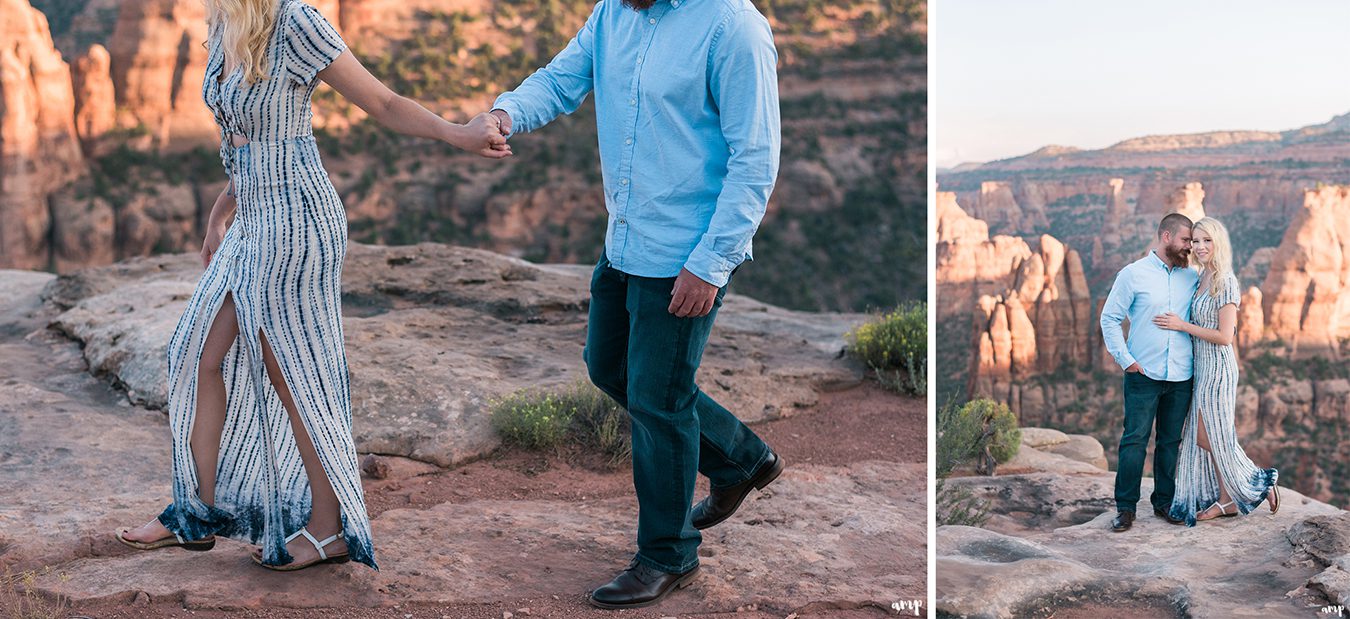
pixel 215 233
pixel 481 136
pixel 1170 321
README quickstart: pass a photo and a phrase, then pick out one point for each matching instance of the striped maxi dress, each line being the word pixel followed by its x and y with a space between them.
pixel 1214 401
pixel 281 261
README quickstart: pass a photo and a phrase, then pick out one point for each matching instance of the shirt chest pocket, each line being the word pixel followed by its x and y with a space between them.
pixel 672 71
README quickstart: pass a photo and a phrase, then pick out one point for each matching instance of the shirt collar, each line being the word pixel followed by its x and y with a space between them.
pixel 1153 253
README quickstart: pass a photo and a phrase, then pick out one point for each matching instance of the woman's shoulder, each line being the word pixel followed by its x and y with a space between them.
pixel 299 18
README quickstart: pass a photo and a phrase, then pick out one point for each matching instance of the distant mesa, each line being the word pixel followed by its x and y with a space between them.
pixel 1054 151
pixel 1213 139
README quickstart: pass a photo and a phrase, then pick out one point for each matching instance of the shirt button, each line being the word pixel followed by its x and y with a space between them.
pixel 628 141
pixel 652 20
pixel 675 3
pixel 639 60
pixel 623 182
pixel 622 221
pixel 632 102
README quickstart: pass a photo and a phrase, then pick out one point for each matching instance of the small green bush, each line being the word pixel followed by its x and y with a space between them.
pixel 1003 436
pixel 600 423
pixel 980 429
pixel 532 420
pixel 579 413
pixel 895 347
pixel 958 505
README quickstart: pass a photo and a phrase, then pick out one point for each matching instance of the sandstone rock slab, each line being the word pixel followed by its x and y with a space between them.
pixel 822 536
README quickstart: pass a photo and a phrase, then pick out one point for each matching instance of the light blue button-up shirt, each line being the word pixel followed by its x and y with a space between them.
pixel 1143 289
pixel 686 104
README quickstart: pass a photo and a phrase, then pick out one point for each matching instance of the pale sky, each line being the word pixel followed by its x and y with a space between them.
pixel 1010 76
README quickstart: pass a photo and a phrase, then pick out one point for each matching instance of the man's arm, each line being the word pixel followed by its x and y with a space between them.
pixel 556 89
pixel 743 79
pixel 1113 314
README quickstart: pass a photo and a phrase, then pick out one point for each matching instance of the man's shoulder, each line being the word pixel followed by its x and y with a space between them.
pixel 1131 268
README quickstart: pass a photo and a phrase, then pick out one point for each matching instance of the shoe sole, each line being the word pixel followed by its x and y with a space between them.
pixel 168 542
pixel 777 470
pixel 1168 520
pixel 683 582
pixel 291 567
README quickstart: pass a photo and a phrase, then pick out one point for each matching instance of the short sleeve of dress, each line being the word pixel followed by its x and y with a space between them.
pixel 1231 292
pixel 311 44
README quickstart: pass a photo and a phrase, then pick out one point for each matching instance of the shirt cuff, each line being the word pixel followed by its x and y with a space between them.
pixel 514 112
pixel 709 267
pixel 1126 360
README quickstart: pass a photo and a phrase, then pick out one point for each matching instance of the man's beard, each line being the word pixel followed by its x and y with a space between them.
pixel 639 5
pixel 1179 257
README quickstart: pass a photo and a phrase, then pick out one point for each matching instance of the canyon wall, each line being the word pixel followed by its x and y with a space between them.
pixel 39 147
pixel 1036 343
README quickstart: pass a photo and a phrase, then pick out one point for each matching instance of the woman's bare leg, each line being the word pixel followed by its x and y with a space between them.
pixel 1202 439
pixel 209 421
pixel 325 510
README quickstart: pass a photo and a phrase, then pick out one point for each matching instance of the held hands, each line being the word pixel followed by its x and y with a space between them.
pixel 1169 321
pixel 484 135
pixel 503 118
pixel 691 297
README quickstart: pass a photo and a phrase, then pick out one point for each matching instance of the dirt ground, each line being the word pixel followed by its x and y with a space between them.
pixel 861 423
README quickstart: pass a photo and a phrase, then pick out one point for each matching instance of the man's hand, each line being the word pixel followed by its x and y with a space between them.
pixel 504 120
pixel 1134 368
pixel 483 136
pixel 691 297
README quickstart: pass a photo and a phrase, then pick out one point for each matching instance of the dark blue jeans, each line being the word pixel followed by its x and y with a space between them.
pixel 646 358
pixel 1149 402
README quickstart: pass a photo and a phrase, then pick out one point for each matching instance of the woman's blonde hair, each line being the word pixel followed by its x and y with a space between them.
pixel 1221 258
pixel 247 29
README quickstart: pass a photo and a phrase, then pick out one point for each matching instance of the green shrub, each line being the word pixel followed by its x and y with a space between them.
pixel 957 505
pixel 532 420
pixel 895 346
pixel 980 429
pixel 579 413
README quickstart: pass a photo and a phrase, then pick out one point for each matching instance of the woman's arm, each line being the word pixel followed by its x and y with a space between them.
pixel 348 76
pixel 1223 336
pixel 217 222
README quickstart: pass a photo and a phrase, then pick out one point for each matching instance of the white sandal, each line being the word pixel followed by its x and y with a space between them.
pixel 318 545
pixel 1223 510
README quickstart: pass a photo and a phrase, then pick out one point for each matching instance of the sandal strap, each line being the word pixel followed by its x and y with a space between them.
pixel 318 545
pixel 179 538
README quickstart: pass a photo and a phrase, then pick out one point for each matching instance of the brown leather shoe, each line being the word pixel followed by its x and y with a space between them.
pixel 639 586
pixel 722 503
pixel 1122 522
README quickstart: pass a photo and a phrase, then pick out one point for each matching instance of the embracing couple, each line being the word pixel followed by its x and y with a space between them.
pixel 259 399
pixel 1181 374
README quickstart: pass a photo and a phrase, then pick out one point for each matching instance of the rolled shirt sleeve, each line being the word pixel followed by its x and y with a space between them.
pixel 558 88
pixel 1114 311
pixel 743 82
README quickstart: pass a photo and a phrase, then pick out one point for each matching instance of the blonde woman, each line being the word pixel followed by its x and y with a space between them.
pixel 259 402
pixel 1215 478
